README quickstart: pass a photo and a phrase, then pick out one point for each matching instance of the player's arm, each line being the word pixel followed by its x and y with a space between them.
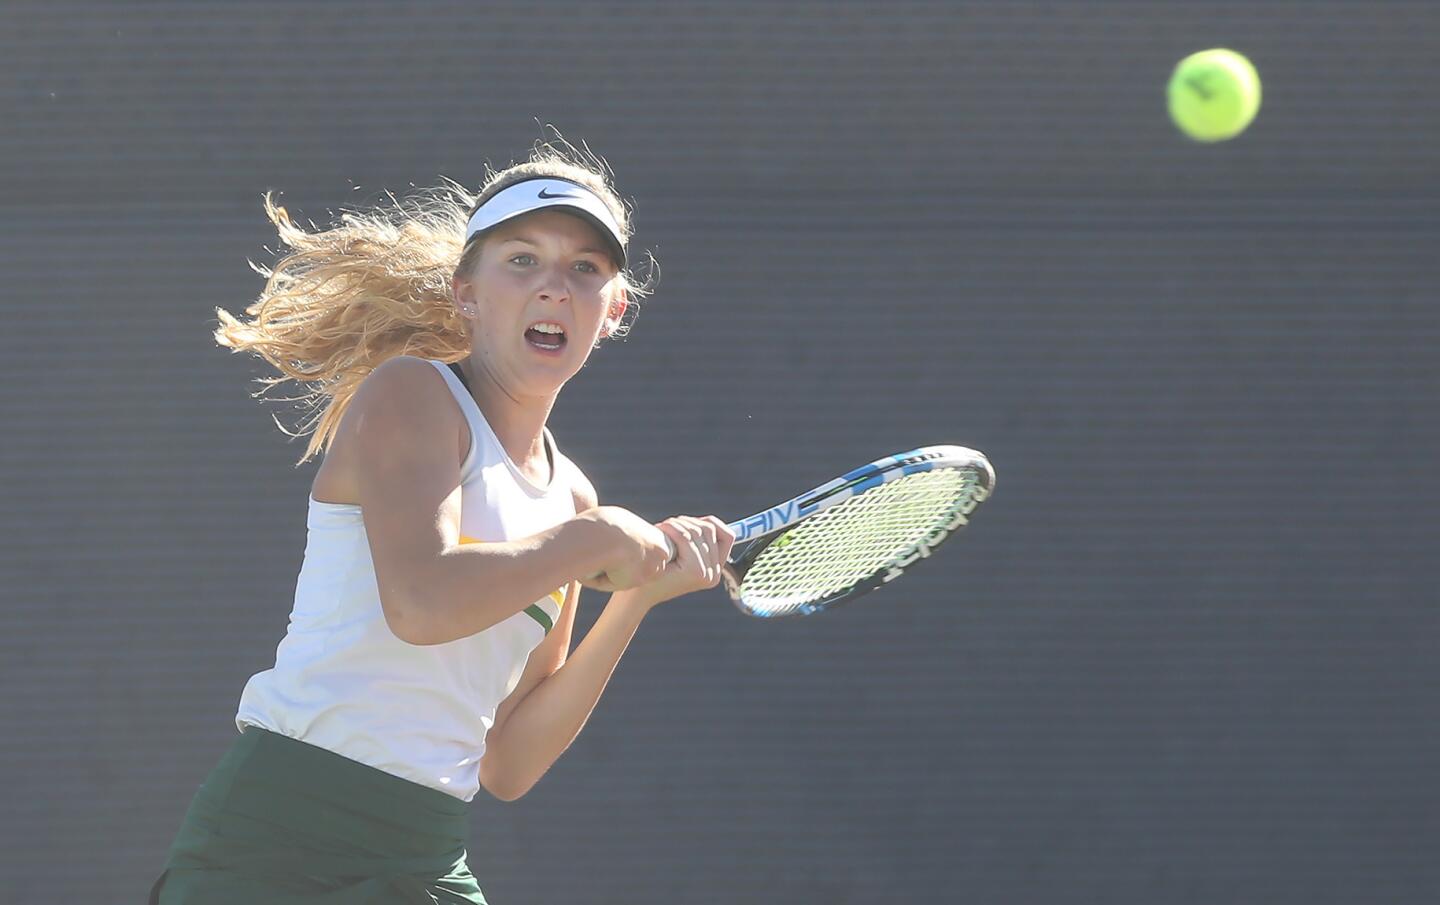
pixel 544 661
pixel 533 729
pixel 405 429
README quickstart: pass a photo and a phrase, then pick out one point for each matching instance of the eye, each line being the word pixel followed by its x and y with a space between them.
pixel 524 260
pixel 586 267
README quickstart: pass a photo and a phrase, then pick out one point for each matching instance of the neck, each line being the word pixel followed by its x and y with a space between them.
pixel 518 422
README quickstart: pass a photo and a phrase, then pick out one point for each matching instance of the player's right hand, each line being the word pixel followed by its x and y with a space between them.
pixel 635 551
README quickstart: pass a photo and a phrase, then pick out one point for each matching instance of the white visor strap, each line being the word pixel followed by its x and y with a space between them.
pixel 539 194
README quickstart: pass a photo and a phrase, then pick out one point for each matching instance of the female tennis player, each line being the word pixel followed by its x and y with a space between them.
pixel 428 651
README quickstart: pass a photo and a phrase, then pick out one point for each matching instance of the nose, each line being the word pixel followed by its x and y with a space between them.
pixel 554 286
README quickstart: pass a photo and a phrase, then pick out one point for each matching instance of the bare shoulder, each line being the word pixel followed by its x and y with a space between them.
pixel 402 404
pixel 580 487
pixel 405 379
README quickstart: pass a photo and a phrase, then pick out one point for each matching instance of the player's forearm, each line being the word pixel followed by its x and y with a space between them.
pixel 472 587
pixel 544 724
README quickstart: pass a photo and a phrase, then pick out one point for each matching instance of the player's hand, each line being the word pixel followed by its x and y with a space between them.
pixel 701 547
pixel 635 550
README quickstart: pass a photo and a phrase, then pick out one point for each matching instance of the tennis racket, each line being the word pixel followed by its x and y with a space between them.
pixel 851 535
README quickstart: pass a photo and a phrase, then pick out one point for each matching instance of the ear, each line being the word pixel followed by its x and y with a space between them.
pixel 615 315
pixel 463 304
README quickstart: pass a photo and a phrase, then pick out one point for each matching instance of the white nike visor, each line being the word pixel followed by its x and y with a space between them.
pixel 541 193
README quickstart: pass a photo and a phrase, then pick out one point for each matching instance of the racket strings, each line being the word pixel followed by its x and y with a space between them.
pixel 853 540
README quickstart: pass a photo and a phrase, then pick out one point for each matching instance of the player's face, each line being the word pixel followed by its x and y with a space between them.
pixel 540 295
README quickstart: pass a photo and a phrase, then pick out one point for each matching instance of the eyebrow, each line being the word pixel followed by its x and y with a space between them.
pixel 586 250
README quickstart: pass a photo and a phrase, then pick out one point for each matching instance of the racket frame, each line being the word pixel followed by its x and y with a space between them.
pixel 754 533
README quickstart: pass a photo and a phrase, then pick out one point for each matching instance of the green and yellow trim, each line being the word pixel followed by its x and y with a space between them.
pixel 535 610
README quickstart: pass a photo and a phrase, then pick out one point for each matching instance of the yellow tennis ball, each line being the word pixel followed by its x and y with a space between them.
pixel 1214 94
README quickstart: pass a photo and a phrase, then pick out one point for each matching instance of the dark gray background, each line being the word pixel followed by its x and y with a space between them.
pixel 1186 654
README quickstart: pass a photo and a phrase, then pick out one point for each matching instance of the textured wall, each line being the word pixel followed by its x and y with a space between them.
pixel 1185 655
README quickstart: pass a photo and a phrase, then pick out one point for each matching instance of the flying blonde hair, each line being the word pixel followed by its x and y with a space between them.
pixel 346 299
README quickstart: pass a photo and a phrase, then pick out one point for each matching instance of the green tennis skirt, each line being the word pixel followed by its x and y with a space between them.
pixel 282 822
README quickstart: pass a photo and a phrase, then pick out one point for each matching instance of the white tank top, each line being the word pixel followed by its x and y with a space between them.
pixel 342 681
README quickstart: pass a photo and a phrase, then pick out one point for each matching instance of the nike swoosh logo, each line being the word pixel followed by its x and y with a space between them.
pixel 543 194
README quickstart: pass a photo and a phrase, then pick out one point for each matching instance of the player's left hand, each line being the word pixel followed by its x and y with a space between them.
pixel 701 546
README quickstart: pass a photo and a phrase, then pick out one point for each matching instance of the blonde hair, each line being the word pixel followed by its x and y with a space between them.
pixel 344 300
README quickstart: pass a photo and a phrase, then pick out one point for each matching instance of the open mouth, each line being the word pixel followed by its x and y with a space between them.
pixel 546 336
